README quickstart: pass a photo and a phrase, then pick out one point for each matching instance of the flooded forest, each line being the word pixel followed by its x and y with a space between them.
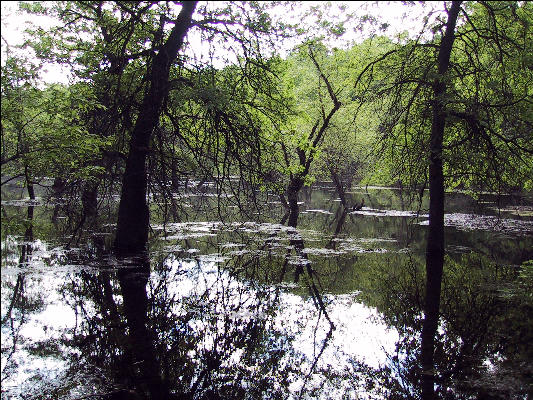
pixel 267 200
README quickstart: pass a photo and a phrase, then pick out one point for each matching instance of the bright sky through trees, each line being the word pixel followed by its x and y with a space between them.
pixel 390 18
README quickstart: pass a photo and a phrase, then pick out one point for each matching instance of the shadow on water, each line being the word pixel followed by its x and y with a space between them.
pixel 249 310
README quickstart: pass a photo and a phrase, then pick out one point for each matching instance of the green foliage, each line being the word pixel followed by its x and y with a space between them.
pixel 42 129
pixel 255 117
pixel 346 146
pixel 488 142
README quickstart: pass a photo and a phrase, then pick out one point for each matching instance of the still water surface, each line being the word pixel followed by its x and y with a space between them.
pixel 248 308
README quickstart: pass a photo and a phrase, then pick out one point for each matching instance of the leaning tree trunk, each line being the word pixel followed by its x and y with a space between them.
pixel 133 214
pixel 435 238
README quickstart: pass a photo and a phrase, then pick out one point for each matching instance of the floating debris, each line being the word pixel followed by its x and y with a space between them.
pixel 23 202
pixel 319 211
pixel 469 222
pixel 388 213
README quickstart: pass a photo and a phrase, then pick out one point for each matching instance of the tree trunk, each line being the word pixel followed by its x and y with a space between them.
pixel 295 185
pixel 31 194
pixel 29 184
pixel 338 186
pixel 133 214
pixel 435 238
pixel 89 201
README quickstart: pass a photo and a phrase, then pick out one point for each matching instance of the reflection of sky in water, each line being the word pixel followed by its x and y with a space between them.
pixel 195 272
pixel 52 322
pixel 359 332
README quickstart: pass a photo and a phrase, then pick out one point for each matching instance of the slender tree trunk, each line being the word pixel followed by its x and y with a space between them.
pixel 295 185
pixel 133 214
pixel 89 201
pixel 28 235
pixel 29 184
pixel 435 238
pixel 339 186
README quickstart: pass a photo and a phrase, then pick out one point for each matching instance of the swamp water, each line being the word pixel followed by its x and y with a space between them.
pixel 233 308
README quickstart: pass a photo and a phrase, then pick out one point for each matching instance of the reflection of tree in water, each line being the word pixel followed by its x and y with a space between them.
pixel 210 330
pixel 20 304
pixel 304 266
pixel 192 329
pixel 481 345
pixel 476 355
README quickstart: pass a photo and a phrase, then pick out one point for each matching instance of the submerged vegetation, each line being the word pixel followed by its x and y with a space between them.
pixel 174 190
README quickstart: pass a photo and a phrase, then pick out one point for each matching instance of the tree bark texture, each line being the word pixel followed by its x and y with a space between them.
pixel 133 215
pixel 435 238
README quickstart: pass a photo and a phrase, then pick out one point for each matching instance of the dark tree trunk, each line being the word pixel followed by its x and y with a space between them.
pixel 29 184
pixel 31 194
pixel 338 186
pixel 295 185
pixel 89 201
pixel 435 238
pixel 133 214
